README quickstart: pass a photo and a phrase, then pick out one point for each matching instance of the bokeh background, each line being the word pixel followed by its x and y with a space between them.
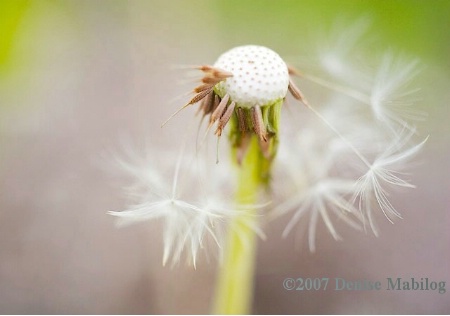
pixel 75 76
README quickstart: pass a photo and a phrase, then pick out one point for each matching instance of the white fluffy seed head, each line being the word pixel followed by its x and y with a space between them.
pixel 260 76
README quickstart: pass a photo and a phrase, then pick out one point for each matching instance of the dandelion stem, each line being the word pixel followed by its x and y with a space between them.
pixel 235 280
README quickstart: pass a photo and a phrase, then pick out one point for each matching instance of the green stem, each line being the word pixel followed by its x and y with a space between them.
pixel 235 283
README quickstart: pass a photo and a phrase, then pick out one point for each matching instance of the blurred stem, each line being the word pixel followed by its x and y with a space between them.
pixel 234 291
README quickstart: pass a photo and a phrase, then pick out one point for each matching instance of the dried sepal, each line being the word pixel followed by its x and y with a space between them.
pixel 295 91
pixel 199 96
pixel 203 87
pixel 225 118
pixel 218 112
pixel 241 120
pixel 258 123
pixel 207 104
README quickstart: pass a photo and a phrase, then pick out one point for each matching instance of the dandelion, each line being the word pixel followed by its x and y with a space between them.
pixel 338 159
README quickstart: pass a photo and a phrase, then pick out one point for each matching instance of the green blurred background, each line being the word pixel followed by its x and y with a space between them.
pixel 75 74
pixel 417 26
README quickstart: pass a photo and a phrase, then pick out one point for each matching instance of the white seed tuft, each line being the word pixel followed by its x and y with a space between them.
pixel 260 76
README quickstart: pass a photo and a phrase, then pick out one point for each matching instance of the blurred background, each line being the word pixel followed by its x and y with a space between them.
pixel 76 75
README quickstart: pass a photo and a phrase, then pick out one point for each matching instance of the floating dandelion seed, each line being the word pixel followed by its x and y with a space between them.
pixel 385 171
pixel 194 210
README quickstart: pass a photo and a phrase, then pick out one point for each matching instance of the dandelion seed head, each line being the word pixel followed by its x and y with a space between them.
pixel 260 76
